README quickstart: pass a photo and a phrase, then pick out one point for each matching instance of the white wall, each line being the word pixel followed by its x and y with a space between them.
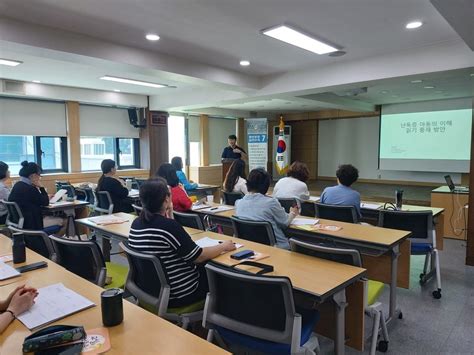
pixel 356 141
pixel 219 130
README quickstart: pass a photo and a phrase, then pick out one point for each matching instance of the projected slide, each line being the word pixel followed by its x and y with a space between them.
pixel 426 141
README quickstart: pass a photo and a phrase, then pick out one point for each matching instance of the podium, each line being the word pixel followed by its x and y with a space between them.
pixel 226 163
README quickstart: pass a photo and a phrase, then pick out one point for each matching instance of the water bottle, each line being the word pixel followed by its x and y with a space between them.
pixel 18 249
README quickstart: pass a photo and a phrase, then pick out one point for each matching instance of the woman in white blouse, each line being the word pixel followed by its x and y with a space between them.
pixel 294 185
pixel 235 178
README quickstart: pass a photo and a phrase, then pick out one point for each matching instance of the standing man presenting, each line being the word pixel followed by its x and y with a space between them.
pixel 233 151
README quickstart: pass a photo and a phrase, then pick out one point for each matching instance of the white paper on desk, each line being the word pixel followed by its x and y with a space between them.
pixel 61 203
pixel 53 302
pixel 57 196
pixel 133 192
pixel 107 219
pixel 7 272
pixel 209 242
pixel 217 209
pixel 200 206
pixel 370 206
pixel 314 198
pixel 304 221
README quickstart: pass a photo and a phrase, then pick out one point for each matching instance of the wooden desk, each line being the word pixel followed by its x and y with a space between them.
pixel 453 203
pixel 324 280
pixel 381 249
pixel 119 232
pixel 69 209
pixel 140 333
pixel 203 190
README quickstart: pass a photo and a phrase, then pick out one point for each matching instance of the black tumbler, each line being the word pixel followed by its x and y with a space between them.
pixel 18 249
pixel 112 307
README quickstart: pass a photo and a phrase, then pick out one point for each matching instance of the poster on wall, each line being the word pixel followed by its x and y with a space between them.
pixel 257 140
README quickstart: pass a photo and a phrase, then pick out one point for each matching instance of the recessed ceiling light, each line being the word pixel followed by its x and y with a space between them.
pixel 36 81
pixel 116 90
pixel 472 74
pixel 384 92
pixel 152 37
pixel 439 91
pixel 429 87
pixel 131 81
pixel 9 62
pixel 413 25
pixel 244 63
pixel 416 81
pixel 395 95
pixel 296 38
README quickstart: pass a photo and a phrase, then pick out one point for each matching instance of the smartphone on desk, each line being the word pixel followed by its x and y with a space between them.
pixel 244 254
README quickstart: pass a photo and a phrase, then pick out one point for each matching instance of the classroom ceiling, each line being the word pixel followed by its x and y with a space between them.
pixel 222 32
pixel 74 43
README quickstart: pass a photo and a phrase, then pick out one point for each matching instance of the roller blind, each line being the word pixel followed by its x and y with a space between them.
pixel 99 121
pixel 32 118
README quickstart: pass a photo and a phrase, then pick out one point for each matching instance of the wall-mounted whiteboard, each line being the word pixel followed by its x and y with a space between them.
pixel 356 141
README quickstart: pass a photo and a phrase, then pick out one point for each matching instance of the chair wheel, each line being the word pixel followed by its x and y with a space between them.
pixel 382 346
pixel 437 294
pixel 400 315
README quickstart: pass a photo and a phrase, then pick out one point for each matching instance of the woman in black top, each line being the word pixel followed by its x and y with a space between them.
pixel 114 186
pixel 153 233
pixel 31 196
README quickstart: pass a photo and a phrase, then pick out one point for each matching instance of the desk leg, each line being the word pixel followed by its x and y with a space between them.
pixel 341 304
pixel 106 247
pixel 393 282
pixel 70 224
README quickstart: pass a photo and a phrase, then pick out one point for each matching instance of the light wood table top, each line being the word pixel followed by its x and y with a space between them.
pixel 358 232
pixel 66 205
pixel 436 210
pixel 445 190
pixel 122 229
pixel 140 333
pixel 318 277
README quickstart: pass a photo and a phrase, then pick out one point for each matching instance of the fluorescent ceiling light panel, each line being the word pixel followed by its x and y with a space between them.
pixel 244 63
pixel 296 38
pixel 413 25
pixel 131 81
pixel 9 62
pixel 152 37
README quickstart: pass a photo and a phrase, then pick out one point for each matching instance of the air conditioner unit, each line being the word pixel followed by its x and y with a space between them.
pixel 12 87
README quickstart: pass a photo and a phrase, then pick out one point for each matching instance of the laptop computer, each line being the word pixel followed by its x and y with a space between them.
pixel 453 188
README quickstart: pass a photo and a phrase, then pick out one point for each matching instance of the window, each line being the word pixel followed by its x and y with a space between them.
pixel 49 152
pixel 125 151
pixel 176 137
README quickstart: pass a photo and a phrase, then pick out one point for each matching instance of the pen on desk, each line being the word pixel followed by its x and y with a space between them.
pixel 213 208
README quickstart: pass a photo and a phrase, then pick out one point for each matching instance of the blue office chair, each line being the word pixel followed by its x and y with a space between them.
pixel 423 239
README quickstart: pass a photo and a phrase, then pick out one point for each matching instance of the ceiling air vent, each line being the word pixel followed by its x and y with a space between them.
pixel 13 87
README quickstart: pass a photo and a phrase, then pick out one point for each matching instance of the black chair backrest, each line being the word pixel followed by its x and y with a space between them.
pixel 190 220
pixel 336 212
pixel 89 195
pixel 287 203
pixel 255 231
pixel 37 241
pixel 83 258
pixel 15 216
pixel 308 209
pixel 419 223
pixel 251 304
pixel 143 272
pixel 230 197
pixel 328 252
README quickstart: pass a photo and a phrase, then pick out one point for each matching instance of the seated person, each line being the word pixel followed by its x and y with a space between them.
pixel 31 196
pixel 177 163
pixel 115 186
pixel 343 194
pixel 4 190
pixel 153 233
pixel 18 302
pixel 294 184
pixel 256 206
pixel 181 200
pixel 235 178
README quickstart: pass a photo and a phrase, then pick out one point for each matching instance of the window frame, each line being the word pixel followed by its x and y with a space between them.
pixel 136 153
pixel 64 154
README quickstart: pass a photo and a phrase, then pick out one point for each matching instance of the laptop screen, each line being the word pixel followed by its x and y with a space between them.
pixel 449 181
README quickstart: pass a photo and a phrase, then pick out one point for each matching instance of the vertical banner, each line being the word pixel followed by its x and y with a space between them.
pixel 282 151
pixel 257 140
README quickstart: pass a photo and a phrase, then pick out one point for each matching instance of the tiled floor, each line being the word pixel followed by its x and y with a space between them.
pixel 429 326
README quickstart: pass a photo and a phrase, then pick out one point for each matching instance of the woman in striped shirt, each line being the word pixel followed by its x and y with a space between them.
pixel 153 233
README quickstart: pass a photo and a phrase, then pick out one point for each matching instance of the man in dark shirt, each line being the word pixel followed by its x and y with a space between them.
pixel 233 151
